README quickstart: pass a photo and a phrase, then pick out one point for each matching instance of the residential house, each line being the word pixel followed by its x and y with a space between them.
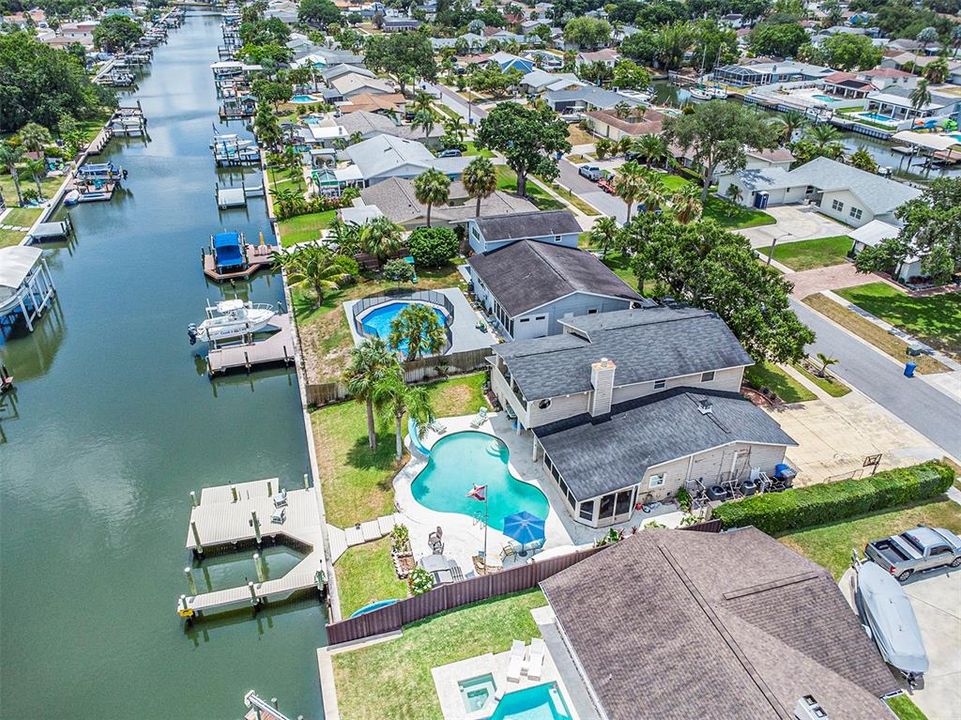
pixel 848 85
pixel 538 81
pixel 353 84
pixel 386 156
pixel 506 61
pixel 586 98
pixel 605 56
pixel 530 286
pixel 839 191
pixel 873 234
pixel 332 72
pixel 780 157
pixel 399 24
pixel 733 20
pixel 896 103
pixel 605 123
pixel 370 124
pixel 79 32
pixel 628 407
pixel 767 73
pixel 545 60
pixel 670 624
pixel 558 227
pixel 365 102
pixel 395 198
pixel 883 78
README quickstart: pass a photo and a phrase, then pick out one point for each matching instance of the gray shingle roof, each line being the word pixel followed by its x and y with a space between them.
pixel 527 225
pixel 646 344
pixel 599 455
pixel 675 625
pixel 527 274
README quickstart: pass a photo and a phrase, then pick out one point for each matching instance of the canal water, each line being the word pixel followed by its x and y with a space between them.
pixel 114 422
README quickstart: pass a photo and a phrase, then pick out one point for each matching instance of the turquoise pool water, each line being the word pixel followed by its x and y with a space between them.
pixel 825 98
pixel 462 460
pixel 477 692
pixel 541 702
pixel 376 323
pixel 877 117
pixel 303 99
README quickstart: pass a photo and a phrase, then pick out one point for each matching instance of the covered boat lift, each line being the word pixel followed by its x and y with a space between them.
pixel 26 287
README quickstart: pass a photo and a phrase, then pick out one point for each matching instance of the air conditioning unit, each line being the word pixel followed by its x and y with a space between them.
pixel 807 708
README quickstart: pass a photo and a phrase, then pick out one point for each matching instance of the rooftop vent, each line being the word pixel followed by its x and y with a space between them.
pixel 705 406
pixel 807 708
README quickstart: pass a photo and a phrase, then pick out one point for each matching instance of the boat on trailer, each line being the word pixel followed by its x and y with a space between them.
pixel 231 320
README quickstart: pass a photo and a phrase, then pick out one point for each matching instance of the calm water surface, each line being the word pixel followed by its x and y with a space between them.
pixel 114 423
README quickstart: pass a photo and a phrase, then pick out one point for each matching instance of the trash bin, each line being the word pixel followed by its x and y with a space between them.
pixel 909 369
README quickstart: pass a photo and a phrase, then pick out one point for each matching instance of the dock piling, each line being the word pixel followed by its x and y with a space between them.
pixel 233 493
pixel 306 482
pixel 258 566
pixel 270 489
pixel 256 525
pixel 193 499
pixel 253 592
pixel 199 549
pixel 191 585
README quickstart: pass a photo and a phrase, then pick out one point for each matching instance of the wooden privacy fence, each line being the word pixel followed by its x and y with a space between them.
pixel 447 597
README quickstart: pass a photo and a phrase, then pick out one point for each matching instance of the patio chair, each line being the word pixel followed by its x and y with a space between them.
pixel 508 551
pixel 437 426
pixel 515 664
pixel 480 418
pixel 279 516
pixel 280 499
pixel 535 659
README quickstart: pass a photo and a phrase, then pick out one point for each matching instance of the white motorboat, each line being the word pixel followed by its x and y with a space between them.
pixel 699 93
pixel 231 319
pixel 231 140
pixel 716 92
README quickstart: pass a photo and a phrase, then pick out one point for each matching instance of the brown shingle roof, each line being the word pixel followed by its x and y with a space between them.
pixel 651 123
pixel 677 625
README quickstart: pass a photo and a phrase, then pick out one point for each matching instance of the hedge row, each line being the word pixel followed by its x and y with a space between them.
pixel 817 504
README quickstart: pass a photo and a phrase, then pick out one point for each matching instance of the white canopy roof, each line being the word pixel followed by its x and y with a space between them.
pixel 15 264
pixel 927 140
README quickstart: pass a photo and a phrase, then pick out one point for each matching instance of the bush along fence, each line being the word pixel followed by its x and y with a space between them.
pixel 828 502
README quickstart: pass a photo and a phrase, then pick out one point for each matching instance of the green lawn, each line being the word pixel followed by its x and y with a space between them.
pixel 784 386
pixel 732 216
pixel 810 254
pixel 24 217
pixel 574 200
pixel 830 545
pixel 507 181
pixel 365 574
pixel 303 228
pixel 473 150
pixel 357 480
pixel 674 182
pixel 830 384
pixel 10 237
pixel 392 679
pixel 49 185
pixel 905 709
pixel 936 319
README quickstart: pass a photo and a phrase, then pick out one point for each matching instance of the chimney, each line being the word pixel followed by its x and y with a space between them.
pixel 602 378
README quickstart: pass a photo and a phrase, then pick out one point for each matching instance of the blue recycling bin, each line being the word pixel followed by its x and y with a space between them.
pixel 909 369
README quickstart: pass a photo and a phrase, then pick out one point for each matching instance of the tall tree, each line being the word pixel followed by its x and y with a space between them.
pixel 686 204
pixel 480 180
pixel 396 399
pixel 530 139
pixel 587 32
pixel 318 12
pixel 34 137
pixel 629 184
pixel 316 267
pixel 418 329
pixel 716 134
pixel 431 187
pixel 424 120
pixel 10 157
pixel 381 237
pixel 604 234
pixel 780 39
pixel 846 51
pixel 920 97
pixel 370 362
pixel 652 148
pixel 404 54
pixel 116 32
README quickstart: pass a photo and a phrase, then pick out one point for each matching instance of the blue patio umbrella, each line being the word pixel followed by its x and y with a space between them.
pixel 524 527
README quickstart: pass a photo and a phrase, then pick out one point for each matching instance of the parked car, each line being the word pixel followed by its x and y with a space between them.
pixel 916 550
pixel 591 172
pixel 452 152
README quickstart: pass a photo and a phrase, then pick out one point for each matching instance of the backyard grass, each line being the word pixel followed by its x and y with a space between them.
pixel 728 215
pixel 810 254
pixel 22 217
pixel 302 228
pixel 935 319
pixel 869 332
pixel 392 679
pixel 829 384
pixel 578 159
pixel 473 150
pixel 49 185
pixel 830 545
pixel 357 480
pixel 9 238
pixel 365 574
pixel 577 135
pixel 905 709
pixel 783 385
pixel 507 181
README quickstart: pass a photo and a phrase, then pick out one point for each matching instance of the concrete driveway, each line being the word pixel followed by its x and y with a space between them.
pixel 794 222
pixel 935 599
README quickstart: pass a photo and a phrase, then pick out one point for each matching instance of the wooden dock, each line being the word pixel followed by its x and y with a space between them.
pixel 257 257
pixel 277 348
pixel 235 515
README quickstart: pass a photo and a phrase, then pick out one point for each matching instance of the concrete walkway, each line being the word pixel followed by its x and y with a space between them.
pixel 794 223
pixel 833 277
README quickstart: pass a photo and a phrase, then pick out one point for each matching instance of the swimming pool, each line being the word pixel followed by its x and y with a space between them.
pixel 876 117
pixel 303 99
pixel 541 702
pixel 825 98
pixel 376 323
pixel 464 459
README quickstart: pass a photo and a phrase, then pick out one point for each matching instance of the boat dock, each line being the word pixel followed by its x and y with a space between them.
pixel 255 258
pixel 276 348
pixel 56 230
pixel 244 514
pixel 230 197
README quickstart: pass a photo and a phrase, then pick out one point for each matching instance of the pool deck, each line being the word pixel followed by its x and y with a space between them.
pixel 464 332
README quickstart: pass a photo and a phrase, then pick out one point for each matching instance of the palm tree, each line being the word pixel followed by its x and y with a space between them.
pixel 422 102
pixel 629 184
pixel 686 203
pixel 38 169
pixel 369 363
pixel 652 148
pixel 826 362
pixel 417 326
pixel 34 137
pixel 480 180
pixel 921 95
pixel 793 120
pixel 825 140
pixel 863 160
pixel 653 193
pixel 431 186
pixel 927 36
pixel 381 237
pixel 9 157
pixel 734 194
pixel 314 266
pixel 456 128
pixel 604 233
pixel 425 120
pixel 392 395
pixel 937 72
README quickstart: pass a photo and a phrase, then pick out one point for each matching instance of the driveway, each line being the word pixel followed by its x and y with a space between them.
pixel 794 223
pixel 833 277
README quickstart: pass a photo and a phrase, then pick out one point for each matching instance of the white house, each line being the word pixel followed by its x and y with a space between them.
pixel 873 234
pixel 840 191
pixel 386 156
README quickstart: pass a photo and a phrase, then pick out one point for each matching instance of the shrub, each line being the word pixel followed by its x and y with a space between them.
pixel 420 580
pixel 399 271
pixel 829 502
pixel 432 247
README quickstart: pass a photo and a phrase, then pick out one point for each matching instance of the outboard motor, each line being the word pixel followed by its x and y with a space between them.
pixel 192 333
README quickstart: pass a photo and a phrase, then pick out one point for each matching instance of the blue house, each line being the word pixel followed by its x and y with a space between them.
pixel 506 61
pixel 555 227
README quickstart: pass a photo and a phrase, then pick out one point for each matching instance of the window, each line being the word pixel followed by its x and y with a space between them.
pixel 544 404
pixel 525 319
pixel 607 507
pixel 658 384
pixel 557 238
pixel 540 317
pixel 592 311
pixel 656 481
pixel 837 205
pixel 856 213
pixel 623 504
pixel 586 511
pixel 708 376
